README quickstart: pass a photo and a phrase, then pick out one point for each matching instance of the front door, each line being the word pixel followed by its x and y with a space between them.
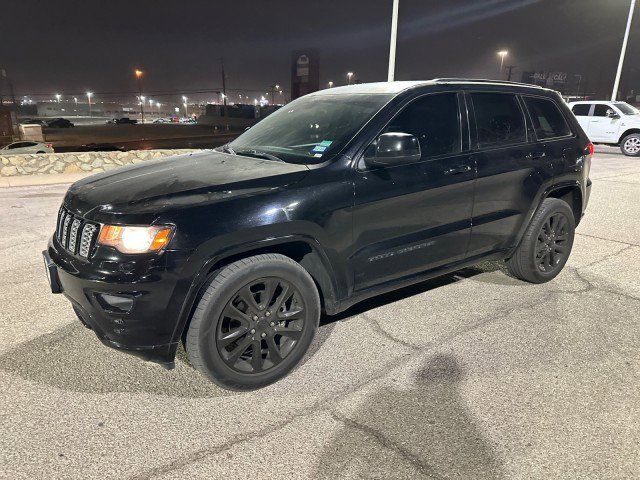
pixel 601 127
pixel 413 217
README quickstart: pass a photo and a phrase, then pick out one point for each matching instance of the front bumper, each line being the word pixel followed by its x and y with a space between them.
pixel 132 303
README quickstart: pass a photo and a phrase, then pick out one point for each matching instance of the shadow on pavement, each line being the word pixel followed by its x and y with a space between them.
pixel 422 287
pixel 73 359
pixel 424 427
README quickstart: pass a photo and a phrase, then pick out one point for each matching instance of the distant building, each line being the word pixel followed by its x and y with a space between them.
pixel 238 116
pixel 73 109
pixel 566 83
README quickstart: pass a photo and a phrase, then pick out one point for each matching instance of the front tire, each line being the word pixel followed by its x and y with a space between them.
pixel 254 322
pixel 630 145
pixel 546 244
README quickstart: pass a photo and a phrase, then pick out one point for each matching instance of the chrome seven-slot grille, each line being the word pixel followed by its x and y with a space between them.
pixel 75 234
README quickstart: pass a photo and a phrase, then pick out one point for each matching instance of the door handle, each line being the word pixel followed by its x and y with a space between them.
pixel 458 169
pixel 535 155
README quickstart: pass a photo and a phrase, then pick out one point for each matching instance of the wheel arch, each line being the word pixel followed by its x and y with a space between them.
pixel 570 192
pixel 305 250
pixel 629 131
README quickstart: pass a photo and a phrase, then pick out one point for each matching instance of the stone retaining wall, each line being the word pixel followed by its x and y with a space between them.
pixel 77 162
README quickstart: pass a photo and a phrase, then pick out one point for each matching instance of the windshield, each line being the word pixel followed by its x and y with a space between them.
pixel 626 108
pixel 311 129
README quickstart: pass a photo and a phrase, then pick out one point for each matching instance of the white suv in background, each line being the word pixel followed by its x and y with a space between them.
pixel 610 123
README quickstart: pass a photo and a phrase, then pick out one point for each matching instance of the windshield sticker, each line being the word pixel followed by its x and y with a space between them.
pixel 321 147
pixel 317 155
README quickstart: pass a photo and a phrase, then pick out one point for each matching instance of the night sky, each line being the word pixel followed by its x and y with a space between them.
pixel 73 46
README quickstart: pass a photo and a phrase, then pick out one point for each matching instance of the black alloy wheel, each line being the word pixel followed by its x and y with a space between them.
pixel 552 244
pixel 546 244
pixel 261 325
pixel 254 322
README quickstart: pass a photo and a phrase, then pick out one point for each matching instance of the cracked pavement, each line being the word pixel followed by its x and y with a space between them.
pixel 471 375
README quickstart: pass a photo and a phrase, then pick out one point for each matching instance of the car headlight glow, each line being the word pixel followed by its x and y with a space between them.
pixel 130 239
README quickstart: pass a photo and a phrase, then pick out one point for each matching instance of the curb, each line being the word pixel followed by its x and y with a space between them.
pixel 44 179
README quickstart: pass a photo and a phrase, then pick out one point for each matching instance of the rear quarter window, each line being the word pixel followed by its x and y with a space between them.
pixel 548 121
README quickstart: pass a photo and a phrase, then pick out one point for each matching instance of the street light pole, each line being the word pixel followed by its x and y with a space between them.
pixel 139 75
pixel 89 98
pixel 502 53
pixel 616 83
pixel 392 43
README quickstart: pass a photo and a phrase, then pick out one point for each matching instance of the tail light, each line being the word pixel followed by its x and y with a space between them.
pixel 590 149
pixel 48 145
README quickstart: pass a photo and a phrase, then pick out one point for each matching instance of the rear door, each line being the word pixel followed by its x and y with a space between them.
pixel 413 217
pixel 511 168
pixel 582 114
pixel 552 130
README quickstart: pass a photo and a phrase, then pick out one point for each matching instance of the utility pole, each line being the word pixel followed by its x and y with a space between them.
pixel 393 41
pixel 509 69
pixel 616 83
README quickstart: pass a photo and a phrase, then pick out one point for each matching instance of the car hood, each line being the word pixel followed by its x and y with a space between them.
pixel 175 182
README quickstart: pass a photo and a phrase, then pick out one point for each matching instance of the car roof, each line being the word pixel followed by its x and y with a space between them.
pixel 401 86
pixel 590 101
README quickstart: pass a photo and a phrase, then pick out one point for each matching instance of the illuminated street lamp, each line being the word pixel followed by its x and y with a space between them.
pixel 502 54
pixel 89 95
pixel 186 108
pixel 158 104
pixel 139 74
pixel 349 77
pixel 58 97
pixel 330 84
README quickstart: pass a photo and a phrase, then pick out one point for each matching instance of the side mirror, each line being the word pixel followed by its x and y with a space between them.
pixel 612 114
pixel 393 148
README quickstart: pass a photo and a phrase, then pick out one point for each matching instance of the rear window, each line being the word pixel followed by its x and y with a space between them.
pixel 548 121
pixel 581 110
pixel 499 119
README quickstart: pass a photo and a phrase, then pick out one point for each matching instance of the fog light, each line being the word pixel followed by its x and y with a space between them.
pixel 115 303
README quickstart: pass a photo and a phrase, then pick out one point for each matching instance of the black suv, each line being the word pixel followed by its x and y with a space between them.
pixel 338 196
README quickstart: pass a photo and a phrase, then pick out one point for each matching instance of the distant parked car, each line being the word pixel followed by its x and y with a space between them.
pixel 610 123
pixel 100 147
pixel 123 121
pixel 162 120
pixel 18 148
pixel 59 123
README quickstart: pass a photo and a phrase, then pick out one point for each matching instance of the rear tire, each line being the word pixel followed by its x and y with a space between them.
pixel 630 145
pixel 546 244
pixel 254 322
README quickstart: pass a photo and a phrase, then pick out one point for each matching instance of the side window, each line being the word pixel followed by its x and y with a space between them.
pixel 581 109
pixel 548 121
pixel 499 119
pixel 601 110
pixel 433 120
pixel 16 145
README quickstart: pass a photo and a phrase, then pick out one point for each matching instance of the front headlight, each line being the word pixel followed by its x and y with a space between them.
pixel 127 239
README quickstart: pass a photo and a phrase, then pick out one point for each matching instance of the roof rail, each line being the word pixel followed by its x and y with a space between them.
pixel 483 80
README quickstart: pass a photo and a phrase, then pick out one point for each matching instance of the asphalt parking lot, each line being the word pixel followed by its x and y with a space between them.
pixel 473 375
